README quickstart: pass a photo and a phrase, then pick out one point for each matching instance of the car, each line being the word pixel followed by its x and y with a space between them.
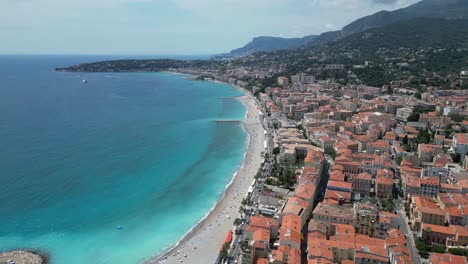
pixel 11 261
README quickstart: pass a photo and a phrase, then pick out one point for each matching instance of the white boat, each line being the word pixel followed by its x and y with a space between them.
pixel 85 81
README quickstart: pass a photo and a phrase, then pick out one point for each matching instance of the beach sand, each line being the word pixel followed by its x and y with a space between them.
pixel 203 243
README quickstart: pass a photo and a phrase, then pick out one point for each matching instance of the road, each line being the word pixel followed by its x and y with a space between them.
pixel 403 223
pixel 234 254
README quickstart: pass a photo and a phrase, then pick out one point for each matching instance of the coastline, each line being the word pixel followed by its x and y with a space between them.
pixel 212 229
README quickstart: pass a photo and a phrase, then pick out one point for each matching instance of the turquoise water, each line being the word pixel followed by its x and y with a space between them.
pixel 137 150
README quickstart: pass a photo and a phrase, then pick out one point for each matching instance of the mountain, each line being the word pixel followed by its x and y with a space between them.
pixel 417 33
pixel 268 44
pixel 449 9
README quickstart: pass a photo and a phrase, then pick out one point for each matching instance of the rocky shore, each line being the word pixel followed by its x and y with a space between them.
pixel 22 257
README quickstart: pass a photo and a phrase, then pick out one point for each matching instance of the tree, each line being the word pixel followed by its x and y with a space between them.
pixel 331 152
pixel 276 150
pixel 424 136
pixel 413 117
pixel 287 177
pixel 438 249
pixel 407 148
pixel 244 201
pixel 237 221
pixel 456 157
pixel 405 140
pixel 458 251
pixel 421 245
pixel 224 251
pixel 389 204
pixel 399 159
pixel 457 117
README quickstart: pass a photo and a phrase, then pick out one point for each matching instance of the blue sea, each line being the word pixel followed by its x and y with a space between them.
pixel 136 150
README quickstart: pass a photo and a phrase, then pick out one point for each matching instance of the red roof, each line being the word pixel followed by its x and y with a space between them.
pixel 437 258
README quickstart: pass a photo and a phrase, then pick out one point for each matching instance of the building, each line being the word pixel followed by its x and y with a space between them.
pixel 437 258
pixel 435 234
pixel 290 232
pixel 333 214
pixel 426 210
pixel 366 218
pixel 378 147
pixel 460 144
pixel 435 171
pixel 384 183
pixel 297 207
pixel 430 186
pixel 402 114
pixel 362 183
pixel 426 152
pixel 283 81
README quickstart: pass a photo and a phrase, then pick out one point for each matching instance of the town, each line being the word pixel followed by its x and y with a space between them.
pixel 355 174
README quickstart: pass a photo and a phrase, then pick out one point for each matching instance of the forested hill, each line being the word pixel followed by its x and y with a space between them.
pixel 412 34
pixel 154 65
pixel 447 9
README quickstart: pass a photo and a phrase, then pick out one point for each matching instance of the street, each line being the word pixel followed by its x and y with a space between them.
pixel 403 223
pixel 234 253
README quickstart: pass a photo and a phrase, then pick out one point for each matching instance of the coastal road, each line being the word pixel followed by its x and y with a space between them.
pixel 234 254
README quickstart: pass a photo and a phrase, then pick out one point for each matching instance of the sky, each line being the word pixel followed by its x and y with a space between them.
pixel 168 26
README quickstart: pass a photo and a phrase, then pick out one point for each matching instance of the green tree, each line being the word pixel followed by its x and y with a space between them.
pixel 438 249
pixel 224 251
pixel 331 152
pixel 276 150
pixel 457 117
pixel 413 117
pixel 424 136
pixel 237 221
pixel 405 140
pixel 456 157
pixel 458 251
pixel 399 159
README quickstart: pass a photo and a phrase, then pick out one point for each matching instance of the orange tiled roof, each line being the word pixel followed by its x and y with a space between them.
pixel 305 191
pixel 395 237
pixel 461 230
pixel 263 222
pixel 337 195
pixel 437 258
pixel 462 138
pixel 340 184
pixel 296 206
pixel 261 235
pixel 439 229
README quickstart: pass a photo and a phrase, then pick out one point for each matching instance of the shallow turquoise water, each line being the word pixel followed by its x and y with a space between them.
pixel 139 150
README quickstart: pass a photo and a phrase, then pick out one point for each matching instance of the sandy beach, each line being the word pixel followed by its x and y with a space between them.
pixel 203 243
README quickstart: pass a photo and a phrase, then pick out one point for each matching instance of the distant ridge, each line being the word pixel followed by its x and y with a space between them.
pixel 269 44
pixel 447 9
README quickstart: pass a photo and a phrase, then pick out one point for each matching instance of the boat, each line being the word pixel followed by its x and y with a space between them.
pixel 85 81
pixel 119 227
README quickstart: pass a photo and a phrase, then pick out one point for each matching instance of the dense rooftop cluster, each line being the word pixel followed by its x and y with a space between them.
pixel 361 176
